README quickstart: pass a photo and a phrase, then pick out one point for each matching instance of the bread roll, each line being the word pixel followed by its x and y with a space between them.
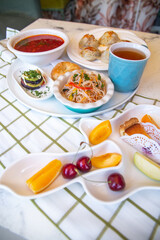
pixel 63 67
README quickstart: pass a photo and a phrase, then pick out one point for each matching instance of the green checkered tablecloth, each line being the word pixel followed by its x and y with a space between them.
pixel 68 213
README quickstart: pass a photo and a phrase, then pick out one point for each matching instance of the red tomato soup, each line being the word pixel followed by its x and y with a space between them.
pixel 39 43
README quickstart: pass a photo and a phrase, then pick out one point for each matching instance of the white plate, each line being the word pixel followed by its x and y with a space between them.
pixel 15 176
pixel 73 50
pixel 46 90
pixel 52 106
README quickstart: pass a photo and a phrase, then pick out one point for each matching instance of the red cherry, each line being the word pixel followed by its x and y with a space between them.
pixel 84 164
pixel 116 182
pixel 69 171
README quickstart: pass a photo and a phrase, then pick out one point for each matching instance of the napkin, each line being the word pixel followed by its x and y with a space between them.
pixel 11 32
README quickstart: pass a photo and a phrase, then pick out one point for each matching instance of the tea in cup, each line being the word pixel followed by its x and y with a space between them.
pixel 126 65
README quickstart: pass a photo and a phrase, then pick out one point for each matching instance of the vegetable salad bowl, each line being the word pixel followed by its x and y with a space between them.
pixel 80 107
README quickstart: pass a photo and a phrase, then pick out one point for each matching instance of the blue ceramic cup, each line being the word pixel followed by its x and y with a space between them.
pixel 124 73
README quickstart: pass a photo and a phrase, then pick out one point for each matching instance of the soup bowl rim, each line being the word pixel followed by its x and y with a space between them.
pixel 39 31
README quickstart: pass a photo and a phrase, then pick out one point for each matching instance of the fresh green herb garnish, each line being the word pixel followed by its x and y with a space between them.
pixel 99 76
pixel 74 77
pixel 23 42
pixel 32 74
pixel 102 85
pixel 39 94
pixel 41 42
pixel 86 77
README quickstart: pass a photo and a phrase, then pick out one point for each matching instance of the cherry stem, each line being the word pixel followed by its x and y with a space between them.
pixel 89 179
pixel 81 144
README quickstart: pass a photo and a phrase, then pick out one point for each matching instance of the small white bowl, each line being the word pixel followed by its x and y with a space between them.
pixel 38 58
pixel 82 107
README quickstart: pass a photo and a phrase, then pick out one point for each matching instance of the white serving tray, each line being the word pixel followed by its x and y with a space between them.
pixel 52 106
pixel 14 177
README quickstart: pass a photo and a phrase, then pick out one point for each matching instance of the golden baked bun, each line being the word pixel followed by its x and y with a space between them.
pixel 105 56
pixel 90 53
pixel 63 67
pixel 109 38
pixel 88 40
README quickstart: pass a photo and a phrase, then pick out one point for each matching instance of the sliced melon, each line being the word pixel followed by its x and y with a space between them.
pixel 147 166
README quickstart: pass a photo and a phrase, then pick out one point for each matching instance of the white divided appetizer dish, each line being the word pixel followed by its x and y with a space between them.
pixel 43 91
pixel 14 177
